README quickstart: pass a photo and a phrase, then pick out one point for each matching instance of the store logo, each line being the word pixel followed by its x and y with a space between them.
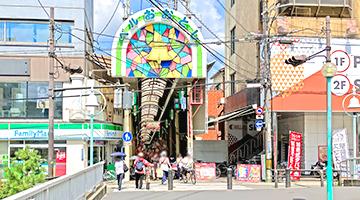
pixel 30 133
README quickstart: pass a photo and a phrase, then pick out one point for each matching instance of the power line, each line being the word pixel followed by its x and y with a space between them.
pixel 43 8
pixel 232 16
pixel 109 21
pixel 138 91
pixel 211 32
pixel 187 32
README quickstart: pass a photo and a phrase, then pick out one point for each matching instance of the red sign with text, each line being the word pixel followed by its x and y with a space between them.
pixel 205 171
pixel 60 168
pixel 294 155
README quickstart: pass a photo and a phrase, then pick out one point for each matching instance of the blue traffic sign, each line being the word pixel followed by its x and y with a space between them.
pixel 127 136
pixel 259 111
pixel 259 123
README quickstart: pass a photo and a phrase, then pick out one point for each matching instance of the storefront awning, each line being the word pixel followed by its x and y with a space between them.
pixel 240 112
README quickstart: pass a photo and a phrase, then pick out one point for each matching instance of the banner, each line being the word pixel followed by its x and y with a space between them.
pixel 340 150
pixel 294 155
pixel 205 171
pixel 60 168
pixel 248 173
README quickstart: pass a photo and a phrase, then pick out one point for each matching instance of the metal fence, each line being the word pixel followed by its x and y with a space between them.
pixel 73 186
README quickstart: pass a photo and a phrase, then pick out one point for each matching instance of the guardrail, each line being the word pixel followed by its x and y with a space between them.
pixel 73 186
pixel 352 165
pixel 321 174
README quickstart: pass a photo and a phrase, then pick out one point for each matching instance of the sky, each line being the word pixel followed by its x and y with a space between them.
pixel 209 12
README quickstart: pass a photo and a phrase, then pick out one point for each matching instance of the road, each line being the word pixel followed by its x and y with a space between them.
pixel 344 193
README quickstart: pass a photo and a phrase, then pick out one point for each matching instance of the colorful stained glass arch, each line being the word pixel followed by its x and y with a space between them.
pixel 159 50
pixel 152 45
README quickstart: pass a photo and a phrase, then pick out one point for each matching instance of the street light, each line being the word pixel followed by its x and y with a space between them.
pixel 92 103
pixel 353 104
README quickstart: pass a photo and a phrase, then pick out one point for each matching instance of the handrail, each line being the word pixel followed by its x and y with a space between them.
pixel 45 187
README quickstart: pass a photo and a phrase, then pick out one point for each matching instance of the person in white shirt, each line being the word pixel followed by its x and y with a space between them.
pixel 119 170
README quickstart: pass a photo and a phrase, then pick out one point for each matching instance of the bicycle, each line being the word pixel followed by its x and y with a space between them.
pixel 221 169
pixel 192 177
pixel 109 175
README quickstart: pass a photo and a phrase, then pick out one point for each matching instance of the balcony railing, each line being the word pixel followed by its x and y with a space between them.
pixel 316 8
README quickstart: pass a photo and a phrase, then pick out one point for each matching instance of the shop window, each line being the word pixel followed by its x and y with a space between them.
pixel 13 100
pixel 197 95
pixel 232 83
pixel 35 32
pixel 2 31
pixel 27 100
pixel 232 2
pixel 232 38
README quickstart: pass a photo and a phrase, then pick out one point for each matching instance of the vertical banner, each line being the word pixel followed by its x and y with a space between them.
pixel 294 155
pixel 60 169
pixel 340 150
pixel 248 173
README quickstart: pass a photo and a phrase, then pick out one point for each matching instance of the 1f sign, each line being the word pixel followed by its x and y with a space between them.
pixel 341 59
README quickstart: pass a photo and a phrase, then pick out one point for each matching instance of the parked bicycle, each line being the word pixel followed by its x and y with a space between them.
pixel 109 175
pixel 189 175
pixel 221 169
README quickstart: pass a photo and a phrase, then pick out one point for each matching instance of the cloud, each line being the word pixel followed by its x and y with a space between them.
pixel 103 9
pixel 210 13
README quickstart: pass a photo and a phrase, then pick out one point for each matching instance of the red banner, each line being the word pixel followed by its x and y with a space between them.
pixel 248 173
pixel 60 168
pixel 205 171
pixel 294 155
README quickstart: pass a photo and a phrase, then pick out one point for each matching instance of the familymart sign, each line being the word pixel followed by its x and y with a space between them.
pixel 61 131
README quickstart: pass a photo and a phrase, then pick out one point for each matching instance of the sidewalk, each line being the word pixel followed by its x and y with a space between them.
pixel 219 184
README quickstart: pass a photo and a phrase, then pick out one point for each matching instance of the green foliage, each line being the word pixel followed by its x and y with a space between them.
pixel 24 173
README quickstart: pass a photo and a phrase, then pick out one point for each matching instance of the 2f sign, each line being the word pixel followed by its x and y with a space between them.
pixel 341 59
pixel 340 85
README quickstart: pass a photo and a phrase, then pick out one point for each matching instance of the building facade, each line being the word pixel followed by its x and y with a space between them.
pixel 24 33
pixel 302 23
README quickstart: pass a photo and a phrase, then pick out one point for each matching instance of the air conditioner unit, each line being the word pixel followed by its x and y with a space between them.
pixel 352 28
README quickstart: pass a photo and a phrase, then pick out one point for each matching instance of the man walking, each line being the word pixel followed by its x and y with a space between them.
pixel 140 164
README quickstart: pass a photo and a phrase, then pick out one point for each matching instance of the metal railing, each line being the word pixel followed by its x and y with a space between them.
pixel 74 186
pixel 351 167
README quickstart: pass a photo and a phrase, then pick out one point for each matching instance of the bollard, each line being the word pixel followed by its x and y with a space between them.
pixel 276 178
pixel 288 181
pixel 229 178
pixel 147 180
pixel 339 179
pixel 321 178
pixel 170 180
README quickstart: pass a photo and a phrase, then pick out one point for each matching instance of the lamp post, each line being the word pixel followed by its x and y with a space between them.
pixel 353 104
pixel 329 71
pixel 92 104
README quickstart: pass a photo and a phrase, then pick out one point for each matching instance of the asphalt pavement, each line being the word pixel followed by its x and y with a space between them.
pixel 340 193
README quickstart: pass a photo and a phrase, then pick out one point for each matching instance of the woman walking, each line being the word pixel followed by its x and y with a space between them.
pixel 120 169
pixel 164 165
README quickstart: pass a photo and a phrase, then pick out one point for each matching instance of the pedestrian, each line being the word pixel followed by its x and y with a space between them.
pixel 165 166
pixel 179 166
pixel 120 169
pixel 140 164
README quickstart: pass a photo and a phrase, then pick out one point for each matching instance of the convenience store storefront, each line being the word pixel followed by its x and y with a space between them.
pixel 71 143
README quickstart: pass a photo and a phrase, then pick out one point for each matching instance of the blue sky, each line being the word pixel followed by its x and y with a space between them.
pixel 209 12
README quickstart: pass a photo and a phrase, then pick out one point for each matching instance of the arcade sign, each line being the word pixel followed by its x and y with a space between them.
pixel 156 43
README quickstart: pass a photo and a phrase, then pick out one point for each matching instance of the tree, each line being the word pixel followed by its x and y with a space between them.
pixel 24 173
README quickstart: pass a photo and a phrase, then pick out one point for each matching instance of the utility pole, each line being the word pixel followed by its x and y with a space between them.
pixel 266 90
pixel 51 95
